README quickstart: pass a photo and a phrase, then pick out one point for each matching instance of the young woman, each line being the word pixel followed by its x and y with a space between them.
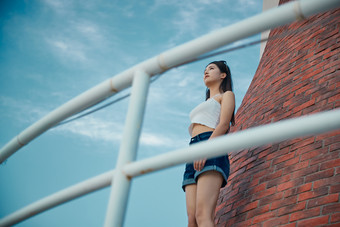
pixel 203 179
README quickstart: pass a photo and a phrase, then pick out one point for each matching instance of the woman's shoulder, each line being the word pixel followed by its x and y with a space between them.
pixel 227 94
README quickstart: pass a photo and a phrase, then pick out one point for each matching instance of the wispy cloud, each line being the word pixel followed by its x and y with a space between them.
pixel 193 18
pixel 152 139
pixel 247 3
pixel 81 36
pixel 59 6
pixel 79 41
pixel 91 127
pixel 91 31
pixel 55 4
pixel 68 50
pixel 22 111
pixel 94 128
pixel 99 129
pixel 246 6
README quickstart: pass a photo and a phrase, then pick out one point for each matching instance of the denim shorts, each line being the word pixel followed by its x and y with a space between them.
pixel 220 164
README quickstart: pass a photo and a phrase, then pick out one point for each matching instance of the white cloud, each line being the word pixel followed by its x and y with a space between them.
pixel 207 2
pixel 56 4
pixel 59 6
pixel 77 38
pixel 247 3
pixel 23 111
pixel 68 49
pixel 152 139
pixel 94 128
pixel 187 19
pixel 181 84
pixel 61 45
pixel 92 32
pixel 88 29
pixel 99 129
pixel 246 6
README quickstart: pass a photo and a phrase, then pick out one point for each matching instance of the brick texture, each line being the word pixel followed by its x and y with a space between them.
pixel 294 182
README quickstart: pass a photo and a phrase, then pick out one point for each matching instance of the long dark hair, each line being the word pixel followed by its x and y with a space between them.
pixel 226 84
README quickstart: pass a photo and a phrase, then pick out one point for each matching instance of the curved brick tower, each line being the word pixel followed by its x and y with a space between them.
pixel 295 182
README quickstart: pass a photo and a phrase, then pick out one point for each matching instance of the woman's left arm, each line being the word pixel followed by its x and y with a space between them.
pixel 227 110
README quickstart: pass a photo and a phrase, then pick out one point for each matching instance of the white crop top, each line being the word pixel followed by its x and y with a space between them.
pixel 207 113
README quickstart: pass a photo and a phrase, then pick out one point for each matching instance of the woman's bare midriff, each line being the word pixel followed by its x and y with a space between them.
pixel 198 129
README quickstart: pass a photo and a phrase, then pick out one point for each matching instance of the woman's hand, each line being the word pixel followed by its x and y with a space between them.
pixel 198 165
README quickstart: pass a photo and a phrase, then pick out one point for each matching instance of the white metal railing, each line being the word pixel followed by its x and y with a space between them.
pixel 128 149
pixel 124 172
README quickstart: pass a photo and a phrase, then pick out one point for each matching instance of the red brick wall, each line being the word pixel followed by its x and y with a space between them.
pixel 295 182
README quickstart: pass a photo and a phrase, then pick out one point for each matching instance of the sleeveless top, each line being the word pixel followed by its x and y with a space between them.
pixel 206 113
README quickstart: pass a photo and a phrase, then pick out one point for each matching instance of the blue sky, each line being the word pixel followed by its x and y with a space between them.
pixel 53 50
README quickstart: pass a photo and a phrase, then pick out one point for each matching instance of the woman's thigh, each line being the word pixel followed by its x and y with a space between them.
pixel 190 197
pixel 208 190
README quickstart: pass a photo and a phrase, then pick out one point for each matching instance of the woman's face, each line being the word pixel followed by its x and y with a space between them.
pixel 212 74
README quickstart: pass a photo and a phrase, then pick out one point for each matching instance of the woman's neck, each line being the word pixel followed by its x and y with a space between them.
pixel 214 91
